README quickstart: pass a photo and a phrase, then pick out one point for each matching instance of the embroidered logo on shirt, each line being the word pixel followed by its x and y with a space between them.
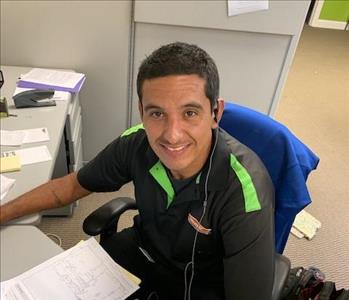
pixel 197 226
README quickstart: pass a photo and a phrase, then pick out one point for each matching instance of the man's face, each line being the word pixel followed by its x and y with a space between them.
pixel 177 118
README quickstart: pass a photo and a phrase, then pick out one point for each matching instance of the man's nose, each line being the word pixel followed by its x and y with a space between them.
pixel 173 130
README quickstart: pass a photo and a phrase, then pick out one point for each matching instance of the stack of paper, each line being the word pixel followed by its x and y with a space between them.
pixel 52 80
pixel 83 272
pixel 305 225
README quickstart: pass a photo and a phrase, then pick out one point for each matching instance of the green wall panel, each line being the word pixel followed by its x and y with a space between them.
pixel 335 10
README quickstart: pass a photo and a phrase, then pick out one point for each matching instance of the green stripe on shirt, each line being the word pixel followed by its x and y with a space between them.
pixel 159 173
pixel 132 129
pixel 250 195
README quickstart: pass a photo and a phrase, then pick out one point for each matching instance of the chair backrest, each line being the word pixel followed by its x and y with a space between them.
pixel 286 158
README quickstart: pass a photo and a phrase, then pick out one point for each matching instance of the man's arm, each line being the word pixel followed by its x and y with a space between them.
pixel 55 193
pixel 249 264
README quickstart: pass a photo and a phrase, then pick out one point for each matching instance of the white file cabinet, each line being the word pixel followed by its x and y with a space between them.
pixel 73 132
pixel 70 155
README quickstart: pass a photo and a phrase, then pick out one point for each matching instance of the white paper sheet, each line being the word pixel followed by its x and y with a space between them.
pixel 53 77
pixel 36 135
pixel 19 137
pixel 32 155
pixel 11 137
pixel 84 272
pixel 306 224
pixel 238 7
pixel 6 184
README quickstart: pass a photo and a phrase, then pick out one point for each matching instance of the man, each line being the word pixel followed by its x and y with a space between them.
pixel 205 225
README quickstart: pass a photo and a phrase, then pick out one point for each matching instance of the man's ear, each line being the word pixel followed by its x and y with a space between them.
pixel 218 112
pixel 140 109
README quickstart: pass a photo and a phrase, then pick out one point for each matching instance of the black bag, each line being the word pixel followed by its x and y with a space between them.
pixel 343 295
pixel 305 284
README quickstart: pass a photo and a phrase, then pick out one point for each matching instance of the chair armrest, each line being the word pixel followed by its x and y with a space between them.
pixel 282 269
pixel 103 217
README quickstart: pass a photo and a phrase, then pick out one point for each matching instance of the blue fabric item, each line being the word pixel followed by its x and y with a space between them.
pixel 286 158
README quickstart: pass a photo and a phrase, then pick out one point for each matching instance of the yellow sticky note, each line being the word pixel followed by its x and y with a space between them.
pixel 10 163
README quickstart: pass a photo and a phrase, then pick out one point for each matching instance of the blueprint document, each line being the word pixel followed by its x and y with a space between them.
pixel 84 272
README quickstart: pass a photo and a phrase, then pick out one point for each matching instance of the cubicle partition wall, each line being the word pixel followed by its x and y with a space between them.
pixel 253 51
pixel 91 37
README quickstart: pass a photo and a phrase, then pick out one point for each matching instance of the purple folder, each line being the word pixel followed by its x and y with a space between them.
pixel 34 85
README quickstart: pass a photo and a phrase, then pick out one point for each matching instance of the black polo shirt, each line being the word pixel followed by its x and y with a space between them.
pixel 235 243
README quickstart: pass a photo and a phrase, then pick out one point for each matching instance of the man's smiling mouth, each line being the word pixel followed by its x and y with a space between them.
pixel 174 149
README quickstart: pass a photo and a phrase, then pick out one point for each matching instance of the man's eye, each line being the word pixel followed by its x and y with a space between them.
pixel 156 114
pixel 190 113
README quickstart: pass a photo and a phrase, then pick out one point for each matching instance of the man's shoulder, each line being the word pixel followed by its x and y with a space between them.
pixel 134 135
pixel 135 130
pixel 128 143
pixel 248 173
pixel 234 148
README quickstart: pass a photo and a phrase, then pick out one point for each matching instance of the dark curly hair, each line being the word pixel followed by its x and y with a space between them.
pixel 180 59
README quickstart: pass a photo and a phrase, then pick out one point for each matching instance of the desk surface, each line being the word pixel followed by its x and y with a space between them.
pixel 53 118
pixel 22 248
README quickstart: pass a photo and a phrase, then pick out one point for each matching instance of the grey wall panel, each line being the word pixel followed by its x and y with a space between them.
pixel 250 64
pixel 282 17
pixel 89 36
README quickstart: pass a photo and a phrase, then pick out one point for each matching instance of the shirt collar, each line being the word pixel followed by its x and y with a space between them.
pixel 219 173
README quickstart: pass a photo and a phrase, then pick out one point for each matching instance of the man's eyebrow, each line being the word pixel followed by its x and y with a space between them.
pixel 151 106
pixel 187 105
pixel 193 105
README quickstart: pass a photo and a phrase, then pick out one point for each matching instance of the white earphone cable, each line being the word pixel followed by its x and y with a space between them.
pixel 192 263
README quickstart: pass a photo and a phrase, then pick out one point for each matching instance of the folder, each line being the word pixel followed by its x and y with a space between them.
pixel 10 164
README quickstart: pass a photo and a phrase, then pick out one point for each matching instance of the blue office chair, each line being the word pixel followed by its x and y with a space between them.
pixel 286 158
